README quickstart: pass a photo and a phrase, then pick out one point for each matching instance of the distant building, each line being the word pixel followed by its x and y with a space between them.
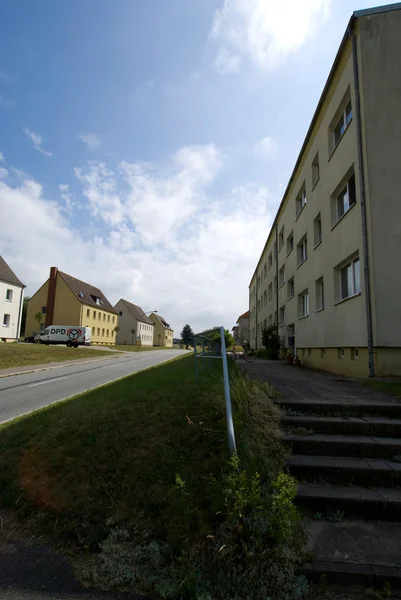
pixel 162 334
pixel 134 324
pixel 241 334
pixel 330 273
pixel 11 299
pixel 64 300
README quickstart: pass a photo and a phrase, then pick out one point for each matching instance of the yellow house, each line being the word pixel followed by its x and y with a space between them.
pixel 64 300
pixel 162 332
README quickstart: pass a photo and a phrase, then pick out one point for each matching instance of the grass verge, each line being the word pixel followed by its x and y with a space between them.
pixel 390 387
pixel 22 355
pixel 134 348
pixel 139 471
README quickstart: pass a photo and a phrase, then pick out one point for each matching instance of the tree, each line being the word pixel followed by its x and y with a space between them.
pixel 38 318
pixel 133 335
pixel 271 341
pixel 187 336
pixel 23 315
pixel 227 337
pixel 116 329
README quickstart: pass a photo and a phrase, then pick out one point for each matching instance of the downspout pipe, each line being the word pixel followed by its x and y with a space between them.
pixel 361 168
pixel 276 257
pixel 20 315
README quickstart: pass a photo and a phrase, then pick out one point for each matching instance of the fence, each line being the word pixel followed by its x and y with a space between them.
pixel 213 350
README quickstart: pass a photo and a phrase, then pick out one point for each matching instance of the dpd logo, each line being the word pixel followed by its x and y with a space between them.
pixel 73 334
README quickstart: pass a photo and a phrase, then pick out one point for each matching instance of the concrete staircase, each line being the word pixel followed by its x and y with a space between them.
pixel 346 454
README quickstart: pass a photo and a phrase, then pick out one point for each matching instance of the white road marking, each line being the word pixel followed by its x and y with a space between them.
pixel 48 381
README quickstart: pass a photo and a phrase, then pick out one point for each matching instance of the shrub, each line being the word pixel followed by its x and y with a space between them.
pixel 271 341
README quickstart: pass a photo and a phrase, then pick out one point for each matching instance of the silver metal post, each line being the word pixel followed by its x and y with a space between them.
pixel 229 414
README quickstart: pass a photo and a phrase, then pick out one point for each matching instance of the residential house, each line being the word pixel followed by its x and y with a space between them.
pixel 162 333
pixel 134 325
pixel 242 329
pixel 65 300
pixel 329 275
pixel 11 299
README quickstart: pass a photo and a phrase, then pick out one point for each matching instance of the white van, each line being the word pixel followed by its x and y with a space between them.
pixel 71 335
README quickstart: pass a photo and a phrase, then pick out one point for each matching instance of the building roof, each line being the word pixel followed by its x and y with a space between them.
pixel 244 316
pixel 87 293
pixel 162 321
pixel 136 312
pixel 355 15
pixel 7 275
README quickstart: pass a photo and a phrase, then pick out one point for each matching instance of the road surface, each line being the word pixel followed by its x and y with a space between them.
pixel 21 394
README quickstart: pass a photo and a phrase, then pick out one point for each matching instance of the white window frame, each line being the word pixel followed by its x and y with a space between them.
pixel 300 201
pixel 302 251
pixel 315 170
pixel 270 291
pixel 6 320
pixel 290 283
pixel 290 247
pixel 353 279
pixel 345 199
pixel 9 295
pixel 319 294
pixel 303 304
pixel 281 276
pixel 317 230
pixel 282 316
pixel 342 122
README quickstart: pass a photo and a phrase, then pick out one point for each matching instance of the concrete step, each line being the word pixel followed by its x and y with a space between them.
pixel 321 444
pixel 379 503
pixel 349 407
pixel 380 426
pixel 345 470
pixel 361 553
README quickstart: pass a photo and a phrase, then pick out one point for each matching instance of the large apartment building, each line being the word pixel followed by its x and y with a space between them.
pixel 330 272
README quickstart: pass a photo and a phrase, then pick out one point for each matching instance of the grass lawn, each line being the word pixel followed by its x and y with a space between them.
pixel 134 348
pixel 391 387
pixel 21 355
pixel 139 469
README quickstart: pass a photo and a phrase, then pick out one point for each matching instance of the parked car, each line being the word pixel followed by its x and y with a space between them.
pixel 31 339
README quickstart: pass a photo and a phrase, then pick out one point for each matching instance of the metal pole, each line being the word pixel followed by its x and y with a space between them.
pixel 196 361
pixel 229 414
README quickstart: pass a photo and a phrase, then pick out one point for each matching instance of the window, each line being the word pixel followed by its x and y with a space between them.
pixel 302 251
pixel 282 316
pixel 319 294
pixel 112 333
pixel 44 310
pixel 323 352
pixel 290 288
pixel 265 271
pixel 104 317
pixel 98 330
pixel 290 242
pixel 107 333
pixel 341 353
pixel 88 312
pixel 354 354
pixel 108 318
pixel 303 304
pixel 113 320
pixel 9 295
pixel 309 351
pixel 350 279
pixel 275 285
pixel 315 170
pixel 99 316
pixel 103 332
pixel 6 320
pixel 275 251
pixel 270 261
pixel 270 320
pixel 94 314
pixel 317 230
pixel 270 291
pixel 265 298
pixel 93 331
pixel 300 202
pixel 342 123
pixel 281 276
pixel 344 200
pixel 281 238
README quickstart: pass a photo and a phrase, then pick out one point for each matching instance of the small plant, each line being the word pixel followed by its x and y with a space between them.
pixel 380 594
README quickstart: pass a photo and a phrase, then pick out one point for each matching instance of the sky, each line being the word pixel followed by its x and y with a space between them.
pixel 145 146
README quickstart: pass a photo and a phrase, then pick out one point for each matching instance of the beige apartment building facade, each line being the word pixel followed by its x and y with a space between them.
pixel 330 272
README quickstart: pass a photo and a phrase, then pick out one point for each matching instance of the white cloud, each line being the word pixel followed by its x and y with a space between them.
pixel 36 140
pixel 265 31
pixel 266 149
pixel 1 156
pixel 3 173
pixel 197 273
pixel 92 140
pixel 225 62
pixel 68 199
pixel 7 103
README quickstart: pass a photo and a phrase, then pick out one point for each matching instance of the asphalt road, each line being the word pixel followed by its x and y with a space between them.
pixel 21 394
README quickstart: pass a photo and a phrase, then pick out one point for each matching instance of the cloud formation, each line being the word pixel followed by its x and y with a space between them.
pixel 163 241
pixel 36 140
pixel 92 140
pixel 264 31
pixel 266 149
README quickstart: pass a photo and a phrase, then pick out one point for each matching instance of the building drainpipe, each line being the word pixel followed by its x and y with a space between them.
pixel 51 296
pixel 256 311
pixel 276 257
pixel 365 250
pixel 20 315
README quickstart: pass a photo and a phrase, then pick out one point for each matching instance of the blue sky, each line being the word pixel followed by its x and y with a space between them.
pixel 145 146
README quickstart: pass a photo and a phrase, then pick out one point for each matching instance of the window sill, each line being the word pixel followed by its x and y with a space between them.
pixel 282 325
pixel 339 141
pixel 301 263
pixel 347 298
pixel 342 216
pixel 289 252
pixel 300 212
pixel 281 285
pixel 317 245
pixel 289 297
pixel 5 325
pixel 319 309
pixel 7 300
pixel 315 184
pixel 303 317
